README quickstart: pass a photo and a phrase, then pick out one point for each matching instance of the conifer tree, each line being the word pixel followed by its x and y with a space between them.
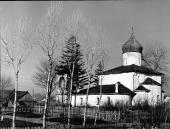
pixel 72 55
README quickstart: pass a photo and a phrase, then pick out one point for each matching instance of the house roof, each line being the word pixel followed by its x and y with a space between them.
pixel 20 94
pixel 142 89
pixel 10 94
pixel 131 68
pixel 107 89
pixel 150 81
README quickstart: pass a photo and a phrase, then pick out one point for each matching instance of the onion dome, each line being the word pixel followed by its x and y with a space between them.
pixel 132 45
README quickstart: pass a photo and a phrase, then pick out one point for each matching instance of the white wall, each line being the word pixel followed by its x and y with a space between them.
pixel 130 58
pixel 139 97
pixel 154 95
pixel 124 78
pixel 142 77
pixel 92 99
pixel 132 80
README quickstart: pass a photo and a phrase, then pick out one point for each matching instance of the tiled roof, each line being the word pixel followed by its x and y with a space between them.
pixel 131 68
pixel 150 81
pixel 107 89
pixel 142 89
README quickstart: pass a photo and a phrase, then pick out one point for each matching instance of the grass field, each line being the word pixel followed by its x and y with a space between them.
pixel 76 121
pixel 31 119
pixel 8 122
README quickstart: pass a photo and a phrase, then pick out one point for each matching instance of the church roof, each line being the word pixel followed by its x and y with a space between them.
pixel 150 81
pixel 107 89
pixel 131 68
pixel 142 88
pixel 132 45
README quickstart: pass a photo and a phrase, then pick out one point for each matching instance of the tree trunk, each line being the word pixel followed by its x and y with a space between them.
pixel 85 110
pixel 15 101
pixel 47 97
pixel 70 98
pixel 75 98
pixel 98 108
pixel 62 99
pixel 45 110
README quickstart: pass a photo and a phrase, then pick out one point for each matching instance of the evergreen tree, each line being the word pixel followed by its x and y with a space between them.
pixel 72 55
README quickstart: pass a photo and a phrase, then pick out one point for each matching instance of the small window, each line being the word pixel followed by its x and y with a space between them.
pixel 98 100
pixel 81 101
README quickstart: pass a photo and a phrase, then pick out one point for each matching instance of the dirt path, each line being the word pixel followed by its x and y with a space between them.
pixel 32 120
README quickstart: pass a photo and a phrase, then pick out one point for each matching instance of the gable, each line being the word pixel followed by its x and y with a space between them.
pixel 26 97
pixel 141 88
pixel 150 81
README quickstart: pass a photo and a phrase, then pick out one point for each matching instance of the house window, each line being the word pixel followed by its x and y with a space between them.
pixel 98 100
pixel 81 101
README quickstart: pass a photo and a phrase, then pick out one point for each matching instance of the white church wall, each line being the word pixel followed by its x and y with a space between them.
pixel 130 58
pixel 125 78
pixel 139 97
pixel 154 95
pixel 93 99
pixel 142 78
pixel 155 91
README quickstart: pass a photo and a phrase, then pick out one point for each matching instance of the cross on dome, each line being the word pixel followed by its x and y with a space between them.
pixel 132 45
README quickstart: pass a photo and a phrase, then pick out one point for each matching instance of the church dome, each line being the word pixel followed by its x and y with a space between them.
pixel 132 45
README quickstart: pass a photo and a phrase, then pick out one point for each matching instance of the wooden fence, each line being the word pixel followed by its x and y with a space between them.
pixel 57 111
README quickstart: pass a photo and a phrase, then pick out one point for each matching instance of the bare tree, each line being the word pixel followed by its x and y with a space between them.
pixel 6 83
pixel 88 35
pixel 156 57
pixel 71 66
pixel 91 60
pixel 16 39
pixel 40 77
pixel 94 53
pixel 48 33
pixel 101 63
pixel 74 25
pixel 92 57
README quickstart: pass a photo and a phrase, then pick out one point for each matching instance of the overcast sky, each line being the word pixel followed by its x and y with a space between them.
pixel 150 19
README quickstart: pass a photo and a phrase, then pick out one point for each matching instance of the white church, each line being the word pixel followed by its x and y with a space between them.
pixel 130 83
